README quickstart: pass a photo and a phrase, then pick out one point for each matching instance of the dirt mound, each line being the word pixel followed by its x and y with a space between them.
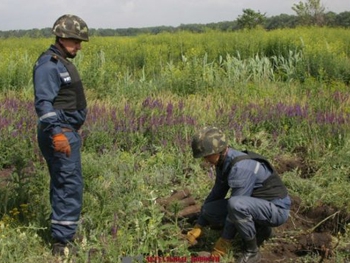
pixel 308 233
pixel 290 163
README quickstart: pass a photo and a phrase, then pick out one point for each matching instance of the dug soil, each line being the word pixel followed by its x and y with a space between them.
pixel 314 234
pixel 311 234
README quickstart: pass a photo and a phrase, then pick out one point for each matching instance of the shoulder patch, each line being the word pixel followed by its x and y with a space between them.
pixel 54 58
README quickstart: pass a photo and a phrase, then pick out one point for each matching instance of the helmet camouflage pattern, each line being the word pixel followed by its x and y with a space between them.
pixel 208 141
pixel 71 26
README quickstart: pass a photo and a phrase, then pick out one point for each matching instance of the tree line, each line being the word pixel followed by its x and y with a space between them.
pixel 309 13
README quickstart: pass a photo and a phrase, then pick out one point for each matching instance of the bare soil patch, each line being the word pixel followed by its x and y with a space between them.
pixel 310 234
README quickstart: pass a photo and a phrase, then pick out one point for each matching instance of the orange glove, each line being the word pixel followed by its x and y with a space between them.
pixel 193 234
pixel 61 144
pixel 221 247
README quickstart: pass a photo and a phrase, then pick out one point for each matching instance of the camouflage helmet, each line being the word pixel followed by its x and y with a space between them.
pixel 208 141
pixel 71 26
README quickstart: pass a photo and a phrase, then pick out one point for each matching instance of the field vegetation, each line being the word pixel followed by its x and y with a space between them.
pixel 284 94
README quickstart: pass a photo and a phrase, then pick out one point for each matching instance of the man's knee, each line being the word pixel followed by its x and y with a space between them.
pixel 215 215
pixel 236 204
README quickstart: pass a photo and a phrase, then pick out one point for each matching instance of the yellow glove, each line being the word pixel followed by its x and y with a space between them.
pixel 221 247
pixel 193 234
pixel 61 144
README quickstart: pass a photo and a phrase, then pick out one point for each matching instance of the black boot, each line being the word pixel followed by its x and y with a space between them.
pixel 251 252
pixel 263 233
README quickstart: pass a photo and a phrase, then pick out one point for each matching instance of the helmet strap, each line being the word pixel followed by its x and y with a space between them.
pixel 221 157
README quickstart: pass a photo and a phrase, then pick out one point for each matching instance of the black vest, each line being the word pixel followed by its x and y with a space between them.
pixel 70 97
pixel 273 187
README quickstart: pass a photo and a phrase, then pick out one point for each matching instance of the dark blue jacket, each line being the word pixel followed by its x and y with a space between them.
pixel 49 76
pixel 241 178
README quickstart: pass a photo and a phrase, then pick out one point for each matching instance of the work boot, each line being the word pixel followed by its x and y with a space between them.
pixel 64 249
pixel 263 233
pixel 251 252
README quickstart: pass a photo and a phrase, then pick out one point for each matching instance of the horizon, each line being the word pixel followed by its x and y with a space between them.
pixel 138 14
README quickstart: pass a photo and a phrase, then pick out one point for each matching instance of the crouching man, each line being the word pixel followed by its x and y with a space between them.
pixel 257 202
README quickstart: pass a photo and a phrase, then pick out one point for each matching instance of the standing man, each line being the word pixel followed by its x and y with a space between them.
pixel 61 108
pixel 257 202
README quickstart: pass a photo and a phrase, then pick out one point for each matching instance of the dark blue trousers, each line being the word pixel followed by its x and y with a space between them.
pixel 66 185
pixel 243 214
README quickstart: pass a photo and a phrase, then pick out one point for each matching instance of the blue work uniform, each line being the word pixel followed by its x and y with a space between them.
pixel 61 108
pixel 244 209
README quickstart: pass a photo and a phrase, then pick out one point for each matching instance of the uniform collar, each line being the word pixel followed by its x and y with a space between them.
pixel 225 163
pixel 54 49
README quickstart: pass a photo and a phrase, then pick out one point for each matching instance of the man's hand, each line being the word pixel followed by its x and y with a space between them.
pixel 193 234
pixel 61 144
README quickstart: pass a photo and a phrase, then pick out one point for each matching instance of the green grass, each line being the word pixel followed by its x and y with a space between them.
pixel 147 95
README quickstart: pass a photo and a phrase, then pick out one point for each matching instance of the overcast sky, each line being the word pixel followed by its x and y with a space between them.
pixel 24 14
